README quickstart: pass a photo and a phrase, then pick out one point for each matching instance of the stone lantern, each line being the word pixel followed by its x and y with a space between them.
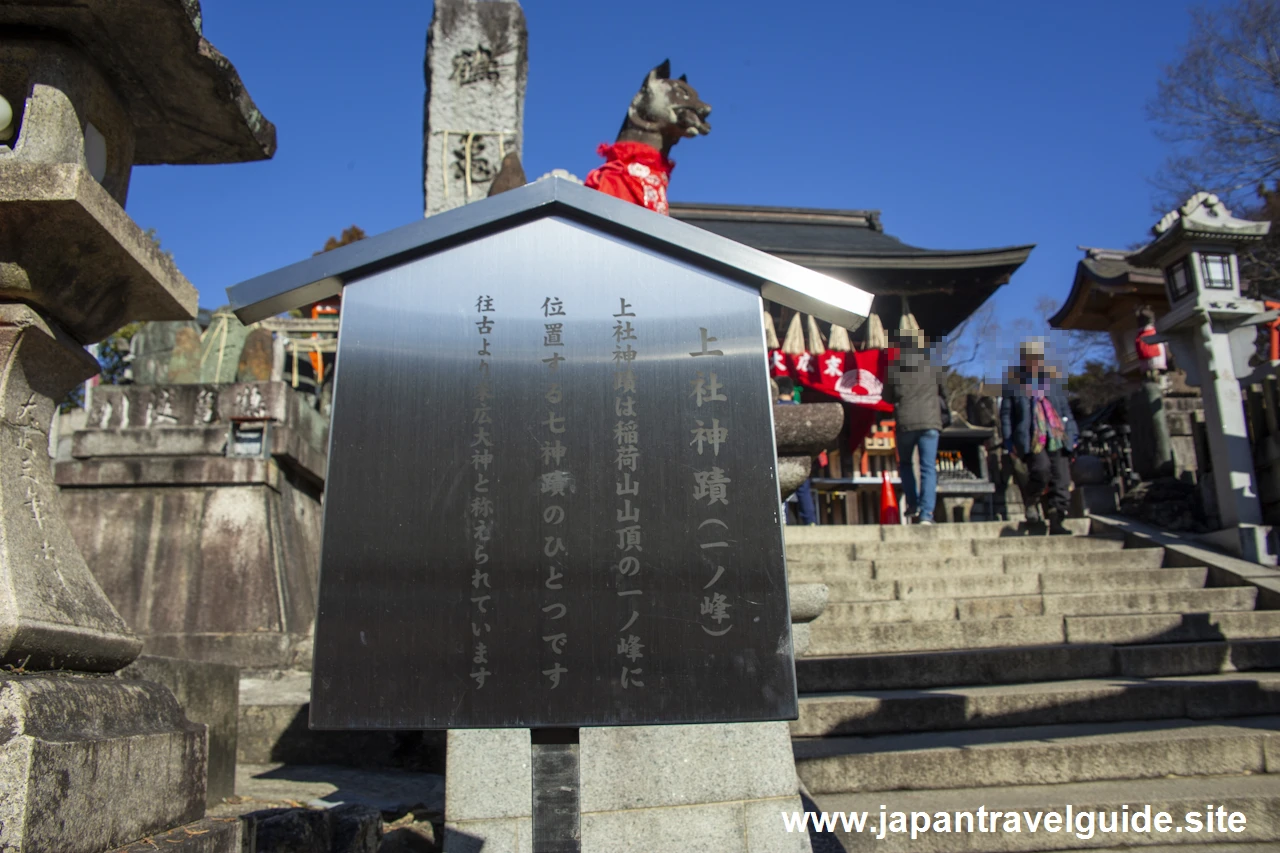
pixel 1211 329
pixel 88 90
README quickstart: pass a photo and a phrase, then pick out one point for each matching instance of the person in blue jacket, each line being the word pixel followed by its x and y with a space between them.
pixel 1039 430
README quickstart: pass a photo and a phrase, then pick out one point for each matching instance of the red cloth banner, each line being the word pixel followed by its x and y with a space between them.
pixel 856 378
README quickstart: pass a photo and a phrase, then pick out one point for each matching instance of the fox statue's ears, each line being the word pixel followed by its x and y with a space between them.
pixel 661 72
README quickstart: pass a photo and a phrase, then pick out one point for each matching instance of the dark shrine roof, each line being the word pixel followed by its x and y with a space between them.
pixel 944 287
pixel 1108 285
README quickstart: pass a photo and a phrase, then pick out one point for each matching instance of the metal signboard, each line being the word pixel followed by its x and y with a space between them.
pixel 552 498
pixel 552 495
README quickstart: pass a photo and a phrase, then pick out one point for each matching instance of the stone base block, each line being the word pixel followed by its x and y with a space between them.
pixel 719 788
pixel 89 763
pixel 209 693
pixel 343 829
pixel 211 835
pixel 273 728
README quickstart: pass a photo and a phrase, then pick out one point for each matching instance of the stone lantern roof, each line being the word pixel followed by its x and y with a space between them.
pixel 1203 218
pixel 186 101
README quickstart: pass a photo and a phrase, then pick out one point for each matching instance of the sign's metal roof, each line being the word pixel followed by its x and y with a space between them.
pixel 324 275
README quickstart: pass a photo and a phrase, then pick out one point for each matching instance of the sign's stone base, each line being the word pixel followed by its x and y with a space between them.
pixel 92 763
pixel 720 788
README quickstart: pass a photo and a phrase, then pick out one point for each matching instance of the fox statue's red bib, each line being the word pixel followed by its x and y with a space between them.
pixel 633 172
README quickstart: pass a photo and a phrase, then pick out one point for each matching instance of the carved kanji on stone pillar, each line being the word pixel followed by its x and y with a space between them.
pixel 52 612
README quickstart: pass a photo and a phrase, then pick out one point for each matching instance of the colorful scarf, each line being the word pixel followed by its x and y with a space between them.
pixel 1049 433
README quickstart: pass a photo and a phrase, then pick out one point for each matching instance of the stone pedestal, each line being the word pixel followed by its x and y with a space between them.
pixel 52 613
pixel 712 788
pixel 801 433
pixel 198 509
pixel 88 764
pixel 477 67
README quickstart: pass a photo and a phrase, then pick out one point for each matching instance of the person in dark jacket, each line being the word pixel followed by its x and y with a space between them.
pixel 1040 432
pixel 912 383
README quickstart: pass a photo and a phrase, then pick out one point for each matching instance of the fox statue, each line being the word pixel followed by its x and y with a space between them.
pixel 638 164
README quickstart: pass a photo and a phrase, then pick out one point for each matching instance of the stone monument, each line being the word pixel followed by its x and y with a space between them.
pixel 476 69
pixel 87 90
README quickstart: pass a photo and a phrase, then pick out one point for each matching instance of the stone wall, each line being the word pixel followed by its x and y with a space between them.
pixel 1179 411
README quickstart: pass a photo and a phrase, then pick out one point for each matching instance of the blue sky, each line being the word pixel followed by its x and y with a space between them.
pixel 969 124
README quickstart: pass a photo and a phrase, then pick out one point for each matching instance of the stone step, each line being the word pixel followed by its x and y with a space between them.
pixel 903 549
pixel 826 572
pixel 1031 583
pixel 1255 796
pixel 1225 847
pixel 1016 606
pixel 860 589
pixel 1021 545
pixel 896 568
pixel 863 613
pixel 1152 601
pixel 1110 603
pixel 1015 665
pixel 1115 580
pixel 861 533
pixel 1095 700
pixel 980 530
pixel 1037 755
pixel 1173 627
pixel 893 568
pixel 928 547
pixel 830 553
pixel 1087 561
pixel 834 638
pixel 966 586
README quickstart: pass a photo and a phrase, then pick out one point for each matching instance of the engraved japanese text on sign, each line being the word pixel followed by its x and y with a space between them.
pixel 552 496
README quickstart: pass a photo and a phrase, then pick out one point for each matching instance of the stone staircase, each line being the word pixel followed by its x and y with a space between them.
pixel 959 666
